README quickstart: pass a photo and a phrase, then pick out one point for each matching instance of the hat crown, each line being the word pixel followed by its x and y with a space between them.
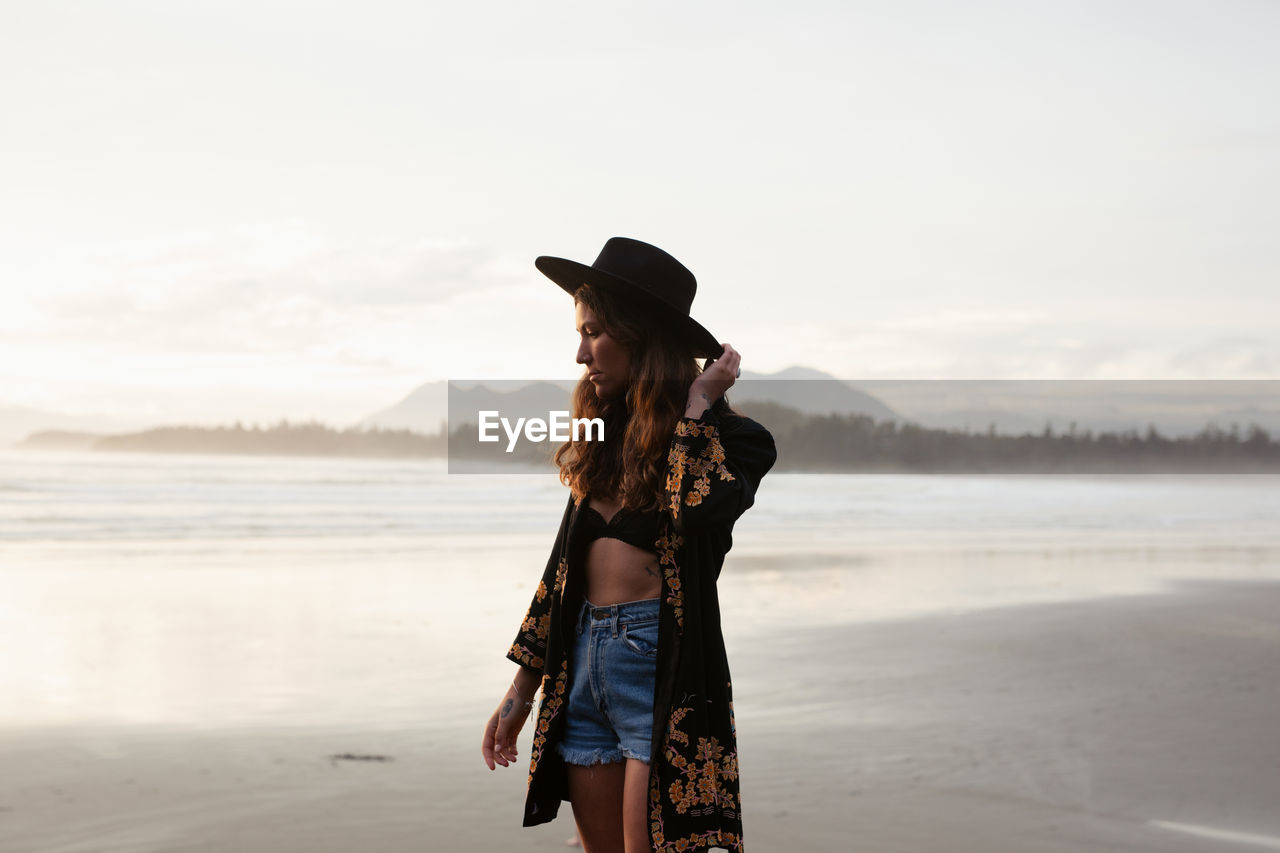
pixel 647 277
pixel 649 268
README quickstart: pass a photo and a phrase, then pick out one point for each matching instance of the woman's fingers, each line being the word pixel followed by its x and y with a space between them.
pixel 499 743
pixel 730 361
pixel 503 744
pixel 507 738
pixel 718 377
pixel 487 742
pixel 731 358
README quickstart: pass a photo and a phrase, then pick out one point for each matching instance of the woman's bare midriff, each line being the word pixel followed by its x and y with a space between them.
pixel 618 572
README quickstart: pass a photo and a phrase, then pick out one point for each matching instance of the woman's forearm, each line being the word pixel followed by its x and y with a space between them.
pixel 698 403
pixel 526 683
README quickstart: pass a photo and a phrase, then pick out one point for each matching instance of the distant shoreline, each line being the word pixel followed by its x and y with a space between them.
pixel 806 443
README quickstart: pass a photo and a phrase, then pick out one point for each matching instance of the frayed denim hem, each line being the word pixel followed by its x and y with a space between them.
pixel 587 757
pixel 631 753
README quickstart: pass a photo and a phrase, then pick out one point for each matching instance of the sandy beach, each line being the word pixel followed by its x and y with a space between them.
pixel 1137 723
pixel 203 654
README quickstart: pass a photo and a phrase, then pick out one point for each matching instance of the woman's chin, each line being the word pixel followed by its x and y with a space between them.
pixel 605 391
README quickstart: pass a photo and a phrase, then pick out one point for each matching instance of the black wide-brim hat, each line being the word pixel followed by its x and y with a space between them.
pixel 645 277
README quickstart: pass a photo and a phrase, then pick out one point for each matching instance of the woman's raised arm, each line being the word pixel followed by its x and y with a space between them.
pixel 714 469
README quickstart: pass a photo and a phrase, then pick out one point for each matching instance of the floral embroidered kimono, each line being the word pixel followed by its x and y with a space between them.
pixel 714 466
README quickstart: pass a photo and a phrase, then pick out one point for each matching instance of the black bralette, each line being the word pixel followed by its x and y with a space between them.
pixel 635 528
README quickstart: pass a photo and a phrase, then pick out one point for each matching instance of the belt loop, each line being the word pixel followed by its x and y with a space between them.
pixel 613 619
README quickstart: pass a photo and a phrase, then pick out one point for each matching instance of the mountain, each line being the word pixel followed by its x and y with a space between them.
pixel 425 409
pixel 810 391
pixel 18 422
pixel 56 439
pixel 801 388
pixel 513 399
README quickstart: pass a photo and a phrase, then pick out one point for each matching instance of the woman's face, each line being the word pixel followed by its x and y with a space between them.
pixel 608 362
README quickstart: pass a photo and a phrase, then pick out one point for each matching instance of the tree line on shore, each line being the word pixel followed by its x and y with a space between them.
pixel 816 443
pixel 860 443
pixel 310 438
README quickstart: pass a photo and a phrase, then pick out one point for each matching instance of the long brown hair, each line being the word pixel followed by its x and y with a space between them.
pixel 631 461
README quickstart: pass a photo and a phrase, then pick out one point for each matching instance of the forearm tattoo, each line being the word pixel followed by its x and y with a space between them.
pixel 705 398
pixel 506 708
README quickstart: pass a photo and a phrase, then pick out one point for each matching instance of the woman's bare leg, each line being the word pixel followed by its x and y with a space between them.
pixel 635 807
pixel 596 795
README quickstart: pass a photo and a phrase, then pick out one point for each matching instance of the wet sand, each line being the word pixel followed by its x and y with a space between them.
pixel 1143 722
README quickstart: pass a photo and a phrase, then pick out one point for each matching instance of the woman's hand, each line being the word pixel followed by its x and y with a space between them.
pixel 500 733
pixel 713 382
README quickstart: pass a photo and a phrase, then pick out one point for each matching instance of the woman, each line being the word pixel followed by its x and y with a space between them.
pixel 623 634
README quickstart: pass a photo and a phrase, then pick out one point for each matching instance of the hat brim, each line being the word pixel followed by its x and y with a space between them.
pixel 571 275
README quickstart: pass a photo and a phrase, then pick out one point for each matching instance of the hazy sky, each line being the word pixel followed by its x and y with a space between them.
pixel 219 210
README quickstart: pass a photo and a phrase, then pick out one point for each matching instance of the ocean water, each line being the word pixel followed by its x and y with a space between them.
pixel 215 591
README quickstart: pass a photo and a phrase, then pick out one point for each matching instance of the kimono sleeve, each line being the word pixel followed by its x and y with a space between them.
pixel 530 646
pixel 714 467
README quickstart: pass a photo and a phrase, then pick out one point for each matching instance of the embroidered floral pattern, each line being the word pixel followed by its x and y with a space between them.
pixel 706 785
pixel 666 547
pixel 703 772
pixel 539 625
pixel 530 647
pixel 551 703
pixel 681 469
pixel 694 429
pixel 562 572
pixel 714 838
pixel 525 656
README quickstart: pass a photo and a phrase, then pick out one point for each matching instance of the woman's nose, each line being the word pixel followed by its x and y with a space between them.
pixel 584 353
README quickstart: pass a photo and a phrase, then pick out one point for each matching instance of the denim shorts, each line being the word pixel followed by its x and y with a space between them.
pixel 615 658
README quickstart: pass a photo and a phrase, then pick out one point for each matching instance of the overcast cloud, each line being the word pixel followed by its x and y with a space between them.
pixel 221 210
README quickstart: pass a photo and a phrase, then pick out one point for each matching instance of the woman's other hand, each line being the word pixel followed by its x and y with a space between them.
pixel 500 733
pixel 713 382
